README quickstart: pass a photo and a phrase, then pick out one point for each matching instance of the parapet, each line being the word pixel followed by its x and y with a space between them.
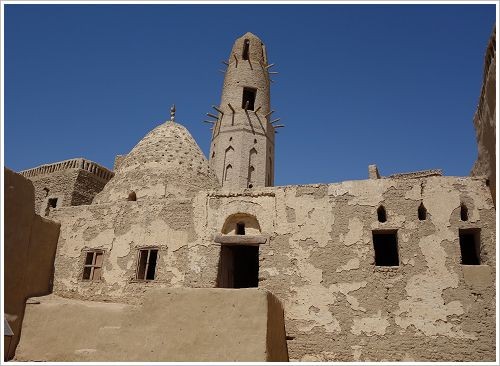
pixel 373 173
pixel 78 163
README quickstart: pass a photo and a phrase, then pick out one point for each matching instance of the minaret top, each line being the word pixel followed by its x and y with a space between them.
pixel 248 47
pixel 172 113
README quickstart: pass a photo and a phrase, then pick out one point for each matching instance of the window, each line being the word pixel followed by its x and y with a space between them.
pixel 385 244
pixel 422 212
pixel 92 268
pixel 381 214
pixel 246 48
pixel 240 228
pixel 52 202
pixel 464 212
pixel 146 265
pixel 470 244
pixel 249 98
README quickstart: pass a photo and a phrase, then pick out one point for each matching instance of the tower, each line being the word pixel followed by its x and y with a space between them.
pixel 242 145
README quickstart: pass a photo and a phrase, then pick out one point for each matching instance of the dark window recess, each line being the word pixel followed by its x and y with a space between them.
pixel 470 244
pixel 249 97
pixel 239 266
pixel 464 212
pixel 422 212
pixel 146 266
pixel 240 228
pixel 52 202
pixel 381 214
pixel 92 268
pixel 385 245
pixel 246 49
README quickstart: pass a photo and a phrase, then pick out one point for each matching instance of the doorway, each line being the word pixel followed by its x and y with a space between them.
pixel 239 266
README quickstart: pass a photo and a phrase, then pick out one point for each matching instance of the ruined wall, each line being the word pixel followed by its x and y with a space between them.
pixel 170 325
pixel 485 120
pixel 29 248
pixel 318 259
pixel 72 182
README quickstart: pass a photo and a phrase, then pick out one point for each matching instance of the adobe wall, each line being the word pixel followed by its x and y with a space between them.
pixel 29 248
pixel 318 259
pixel 169 325
pixel 485 120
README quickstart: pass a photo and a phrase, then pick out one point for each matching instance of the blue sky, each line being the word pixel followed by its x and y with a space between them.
pixel 392 85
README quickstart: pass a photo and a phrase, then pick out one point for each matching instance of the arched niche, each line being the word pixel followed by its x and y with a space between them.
pixel 241 224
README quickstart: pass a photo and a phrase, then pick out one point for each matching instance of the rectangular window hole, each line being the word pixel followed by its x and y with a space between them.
pixel 52 202
pixel 470 246
pixel 385 244
pixel 249 97
pixel 146 265
pixel 92 268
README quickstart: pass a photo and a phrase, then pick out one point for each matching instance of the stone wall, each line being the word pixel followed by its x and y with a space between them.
pixel 70 182
pixel 170 325
pixel 317 256
pixel 485 120
pixel 29 247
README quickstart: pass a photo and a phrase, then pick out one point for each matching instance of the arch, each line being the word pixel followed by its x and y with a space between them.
pixel 132 196
pixel 422 212
pixel 251 167
pixel 228 167
pixel 241 222
pixel 228 172
pixel 381 214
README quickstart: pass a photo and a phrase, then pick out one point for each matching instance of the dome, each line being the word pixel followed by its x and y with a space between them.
pixel 167 162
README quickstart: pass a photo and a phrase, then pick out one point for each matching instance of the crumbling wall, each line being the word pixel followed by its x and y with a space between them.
pixel 29 249
pixel 318 259
pixel 485 120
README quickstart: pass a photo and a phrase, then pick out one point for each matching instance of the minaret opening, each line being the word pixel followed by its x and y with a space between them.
pixel 246 49
pixel 248 100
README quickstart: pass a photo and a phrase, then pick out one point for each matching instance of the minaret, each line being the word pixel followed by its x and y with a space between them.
pixel 242 146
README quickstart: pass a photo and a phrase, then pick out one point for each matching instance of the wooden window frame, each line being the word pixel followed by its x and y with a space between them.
pixel 146 268
pixel 93 265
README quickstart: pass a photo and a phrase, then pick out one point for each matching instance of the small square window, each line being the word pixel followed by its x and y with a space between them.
pixel 470 245
pixel 146 264
pixel 249 95
pixel 52 202
pixel 92 268
pixel 385 244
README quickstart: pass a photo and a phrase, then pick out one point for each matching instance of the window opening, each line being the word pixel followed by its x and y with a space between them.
pixel 249 97
pixel 146 266
pixel 246 49
pixel 52 202
pixel 240 228
pixel 381 214
pixel 385 244
pixel 464 212
pixel 422 212
pixel 470 244
pixel 92 268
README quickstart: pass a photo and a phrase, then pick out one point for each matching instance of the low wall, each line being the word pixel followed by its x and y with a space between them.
pixel 171 325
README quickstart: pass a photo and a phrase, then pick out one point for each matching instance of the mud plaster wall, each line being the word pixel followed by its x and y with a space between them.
pixel 29 246
pixel 318 261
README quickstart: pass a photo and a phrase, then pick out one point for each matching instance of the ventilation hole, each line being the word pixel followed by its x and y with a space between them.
pixel 132 196
pixel 381 214
pixel 240 228
pixel 464 212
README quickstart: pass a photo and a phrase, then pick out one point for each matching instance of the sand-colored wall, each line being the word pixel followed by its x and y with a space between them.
pixel 29 248
pixel 318 259
pixel 169 325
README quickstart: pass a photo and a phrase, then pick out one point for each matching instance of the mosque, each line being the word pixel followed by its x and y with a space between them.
pixel 173 257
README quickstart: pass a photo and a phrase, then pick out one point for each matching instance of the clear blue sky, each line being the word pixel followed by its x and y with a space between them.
pixel 394 85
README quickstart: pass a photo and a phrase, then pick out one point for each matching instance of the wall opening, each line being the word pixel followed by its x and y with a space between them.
pixel 52 202
pixel 422 212
pixel 132 196
pixel 470 246
pixel 240 228
pixel 227 173
pixel 464 212
pixel 246 49
pixel 92 267
pixel 381 214
pixel 249 95
pixel 248 221
pixel 146 264
pixel 238 266
pixel 385 244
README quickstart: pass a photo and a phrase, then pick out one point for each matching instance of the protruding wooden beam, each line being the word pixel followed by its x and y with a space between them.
pixel 225 63
pixel 267 115
pixel 276 120
pixel 250 63
pixel 236 58
pixel 207 121
pixel 231 107
pixel 270 65
pixel 223 71
pixel 273 72
pixel 217 109
pixel 212 115
pixel 278 126
pixel 258 109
